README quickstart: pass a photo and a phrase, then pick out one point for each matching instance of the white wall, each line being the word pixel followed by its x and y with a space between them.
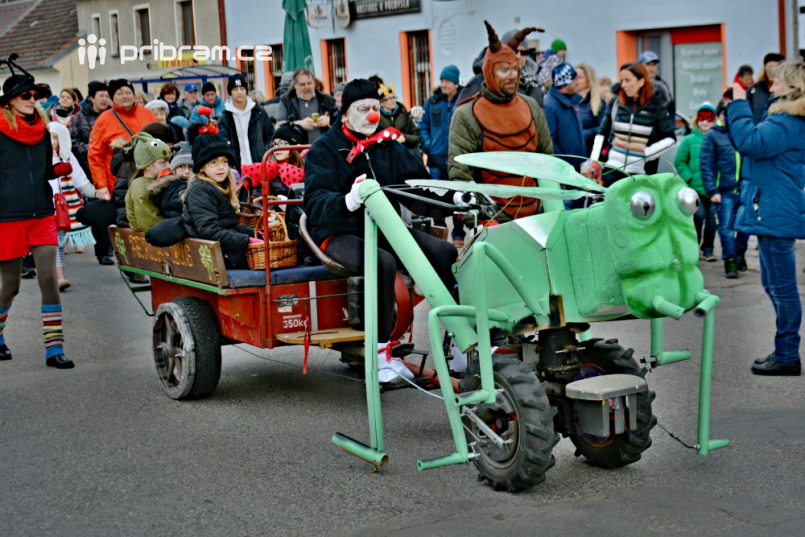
pixel 587 26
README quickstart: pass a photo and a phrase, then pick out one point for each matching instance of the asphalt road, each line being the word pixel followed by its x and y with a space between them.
pixel 100 450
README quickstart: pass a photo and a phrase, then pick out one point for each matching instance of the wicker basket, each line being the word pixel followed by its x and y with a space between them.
pixel 250 215
pixel 281 253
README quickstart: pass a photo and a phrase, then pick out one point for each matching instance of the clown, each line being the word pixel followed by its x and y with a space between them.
pixel 499 119
pixel 336 164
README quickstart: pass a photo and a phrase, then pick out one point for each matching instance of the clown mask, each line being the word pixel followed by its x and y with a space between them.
pixel 363 116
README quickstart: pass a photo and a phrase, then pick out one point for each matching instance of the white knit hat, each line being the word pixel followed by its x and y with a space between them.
pixel 158 103
pixel 183 156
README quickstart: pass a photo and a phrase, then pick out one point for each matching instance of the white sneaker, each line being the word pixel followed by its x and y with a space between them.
pixel 459 361
pixel 390 369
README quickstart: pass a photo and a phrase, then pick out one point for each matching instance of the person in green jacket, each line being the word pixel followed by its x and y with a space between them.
pixel 687 166
pixel 151 156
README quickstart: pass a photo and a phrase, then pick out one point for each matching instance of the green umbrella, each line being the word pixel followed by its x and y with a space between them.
pixel 296 42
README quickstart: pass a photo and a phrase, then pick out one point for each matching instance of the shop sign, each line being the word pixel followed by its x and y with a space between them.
pixel 318 15
pixel 365 9
pixel 185 60
pixel 342 16
pixel 698 75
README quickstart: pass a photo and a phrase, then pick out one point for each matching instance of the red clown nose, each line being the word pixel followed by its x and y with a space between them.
pixel 373 117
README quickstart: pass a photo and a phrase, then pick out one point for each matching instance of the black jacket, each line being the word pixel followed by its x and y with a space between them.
pixel 24 174
pixel 329 177
pixel 401 120
pixel 261 131
pixel 124 170
pixel 209 215
pixel 326 104
pixel 80 130
pixel 166 191
pixel 654 116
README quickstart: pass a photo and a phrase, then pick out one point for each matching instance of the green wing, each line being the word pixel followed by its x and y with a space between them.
pixel 535 165
pixel 502 191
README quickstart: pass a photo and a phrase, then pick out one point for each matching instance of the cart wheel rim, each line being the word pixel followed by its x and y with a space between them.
pixel 590 371
pixel 173 350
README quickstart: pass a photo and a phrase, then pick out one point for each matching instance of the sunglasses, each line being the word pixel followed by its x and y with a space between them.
pixel 521 52
pixel 708 117
pixel 28 95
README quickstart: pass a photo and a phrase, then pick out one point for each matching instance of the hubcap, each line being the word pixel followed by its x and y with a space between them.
pixel 501 417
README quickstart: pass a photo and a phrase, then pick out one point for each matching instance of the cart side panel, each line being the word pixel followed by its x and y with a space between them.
pixel 239 317
pixel 291 306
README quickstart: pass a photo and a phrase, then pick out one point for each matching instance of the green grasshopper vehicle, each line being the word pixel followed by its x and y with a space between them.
pixel 538 282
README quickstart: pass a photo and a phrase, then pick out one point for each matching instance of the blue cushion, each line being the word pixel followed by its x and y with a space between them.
pixel 257 278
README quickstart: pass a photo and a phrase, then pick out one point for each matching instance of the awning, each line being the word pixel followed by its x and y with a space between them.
pixel 184 74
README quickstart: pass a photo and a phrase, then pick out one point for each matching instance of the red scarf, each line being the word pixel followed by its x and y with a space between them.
pixel 25 133
pixel 361 145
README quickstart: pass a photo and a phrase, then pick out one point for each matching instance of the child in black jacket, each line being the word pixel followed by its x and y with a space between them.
pixel 210 201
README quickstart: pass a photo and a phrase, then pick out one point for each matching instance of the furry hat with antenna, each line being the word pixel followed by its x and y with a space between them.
pixel 501 52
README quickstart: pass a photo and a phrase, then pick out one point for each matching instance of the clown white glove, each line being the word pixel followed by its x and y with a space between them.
pixel 353 198
pixel 283 198
pixel 462 199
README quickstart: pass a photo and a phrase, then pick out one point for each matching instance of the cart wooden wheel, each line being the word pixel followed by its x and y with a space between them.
pixel 187 348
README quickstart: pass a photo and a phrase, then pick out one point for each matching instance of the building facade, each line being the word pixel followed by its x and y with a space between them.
pixel 44 34
pixel 138 23
pixel 409 42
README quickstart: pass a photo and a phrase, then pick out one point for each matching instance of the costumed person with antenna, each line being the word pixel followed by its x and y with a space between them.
pixel 499 119
pixel 27 212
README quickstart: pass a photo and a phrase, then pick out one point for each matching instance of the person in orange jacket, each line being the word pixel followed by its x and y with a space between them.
pixel 108 128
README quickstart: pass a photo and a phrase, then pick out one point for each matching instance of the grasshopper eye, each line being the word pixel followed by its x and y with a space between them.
pixel 643 204
pixel 688 200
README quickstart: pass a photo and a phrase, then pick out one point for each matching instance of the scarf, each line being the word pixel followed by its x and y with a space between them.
pixel 529 74
pixel 27 133
pixel 362 145
pixel 389 114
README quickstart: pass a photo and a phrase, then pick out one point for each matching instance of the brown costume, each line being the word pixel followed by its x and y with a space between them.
pixel 505 123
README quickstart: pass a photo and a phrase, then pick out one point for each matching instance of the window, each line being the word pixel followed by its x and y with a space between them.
pixel 274 71
pixel 419 67
pixel 96 25
pixel 246 63
pixel 142 28
pixel 186 26
pixel 114 32
pixel 336 62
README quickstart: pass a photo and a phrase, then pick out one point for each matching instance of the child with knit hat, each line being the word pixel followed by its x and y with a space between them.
pixel 211 201
pixel 151 157
pixel 549 60
pixel 166 191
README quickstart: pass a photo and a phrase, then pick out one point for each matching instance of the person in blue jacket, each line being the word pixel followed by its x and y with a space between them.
pixel 562 115
pixel 720 166
pixel 773 201
pixel 434 133
pixel 210 99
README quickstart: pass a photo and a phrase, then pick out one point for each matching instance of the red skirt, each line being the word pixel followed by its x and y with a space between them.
pixel 17 237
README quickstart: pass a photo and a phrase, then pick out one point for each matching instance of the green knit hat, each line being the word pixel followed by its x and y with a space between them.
pixel 148 150
pixel 558 45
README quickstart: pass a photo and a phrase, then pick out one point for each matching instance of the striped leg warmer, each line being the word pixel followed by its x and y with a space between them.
pixel 3 317
pixel 54 334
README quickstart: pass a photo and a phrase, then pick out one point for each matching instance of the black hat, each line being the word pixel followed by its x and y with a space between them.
pixel 356 90
pixel 115 85
pixel 95 86
pixel 291 133
pixel 773 57
pixel 17 83
pixel 207 147
pixel 237 81
pixel 208 86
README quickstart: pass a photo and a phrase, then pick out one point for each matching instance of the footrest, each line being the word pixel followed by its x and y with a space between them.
pixel 606 400
pixel 374 457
